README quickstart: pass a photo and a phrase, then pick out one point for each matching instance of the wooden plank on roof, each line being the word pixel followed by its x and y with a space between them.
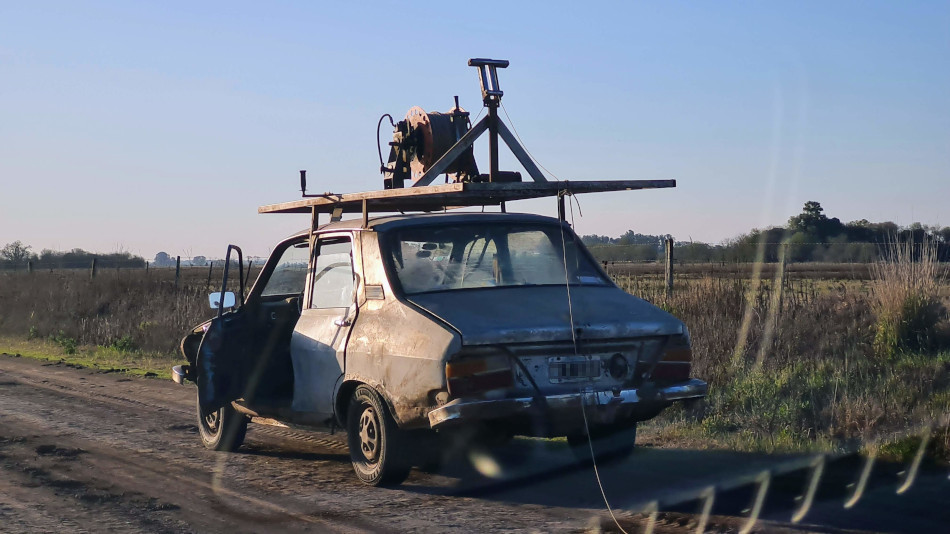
pixel 440 197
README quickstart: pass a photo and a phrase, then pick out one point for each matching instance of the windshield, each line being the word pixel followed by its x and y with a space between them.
pixel 467 256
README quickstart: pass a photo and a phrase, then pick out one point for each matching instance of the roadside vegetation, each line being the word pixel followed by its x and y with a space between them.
pixel 819 359
pixel 797 366
pixel 121 320
pixel 810 236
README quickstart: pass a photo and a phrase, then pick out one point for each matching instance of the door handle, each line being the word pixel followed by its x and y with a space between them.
pixel 342 321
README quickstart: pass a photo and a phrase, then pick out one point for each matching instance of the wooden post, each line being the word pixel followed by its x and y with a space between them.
pixel 783 274
pixel 177 270
pixel 29 267
pixel 92 270
pixel 210 267
pixel 146 267
pixel 669 267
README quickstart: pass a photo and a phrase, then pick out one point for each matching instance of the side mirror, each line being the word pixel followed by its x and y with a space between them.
pixel 214 300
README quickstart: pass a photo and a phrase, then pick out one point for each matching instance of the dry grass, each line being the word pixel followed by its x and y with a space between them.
pixel 905 298
pixel 129 310
pixel 793 364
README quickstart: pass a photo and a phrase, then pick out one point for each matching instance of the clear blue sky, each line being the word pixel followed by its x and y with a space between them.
pixel 163 125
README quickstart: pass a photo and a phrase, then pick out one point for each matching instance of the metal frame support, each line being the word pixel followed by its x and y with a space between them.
pixel 492 105
pixel 453 153
pixel 520 153
pixel 491 96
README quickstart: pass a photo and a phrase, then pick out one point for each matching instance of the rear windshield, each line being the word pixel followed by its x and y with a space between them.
pixel 467 256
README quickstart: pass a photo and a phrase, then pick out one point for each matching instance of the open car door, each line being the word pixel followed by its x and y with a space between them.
pixel 221 354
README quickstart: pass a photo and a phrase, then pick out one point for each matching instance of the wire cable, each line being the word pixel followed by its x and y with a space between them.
pixel 570 313
pixel 530 155
pixel 379 147
pixel 593 457
pixel 567 281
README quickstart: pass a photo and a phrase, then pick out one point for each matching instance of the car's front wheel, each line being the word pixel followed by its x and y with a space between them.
pixel 377 446
pixel 222 429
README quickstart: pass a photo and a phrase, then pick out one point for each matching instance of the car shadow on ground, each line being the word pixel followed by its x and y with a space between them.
pixel 545 473
pixel 290 454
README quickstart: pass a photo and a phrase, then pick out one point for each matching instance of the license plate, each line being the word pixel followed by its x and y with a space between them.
pixel 573 368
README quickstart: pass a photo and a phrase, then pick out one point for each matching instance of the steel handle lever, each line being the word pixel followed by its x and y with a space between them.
pixel 342 321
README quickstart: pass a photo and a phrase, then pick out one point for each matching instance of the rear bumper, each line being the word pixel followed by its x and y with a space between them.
pixel 602 407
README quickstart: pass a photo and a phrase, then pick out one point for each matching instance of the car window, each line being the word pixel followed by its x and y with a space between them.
pixel 441 258
pixel 290 274
pixel 332 274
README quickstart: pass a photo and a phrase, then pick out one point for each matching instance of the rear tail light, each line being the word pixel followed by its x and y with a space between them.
pixel 476 374
pixel 676 364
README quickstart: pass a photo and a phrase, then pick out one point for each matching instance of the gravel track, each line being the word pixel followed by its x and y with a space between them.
pixel 85 451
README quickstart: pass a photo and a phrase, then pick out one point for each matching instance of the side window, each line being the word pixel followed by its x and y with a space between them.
pixel 332 274
pixel 290 274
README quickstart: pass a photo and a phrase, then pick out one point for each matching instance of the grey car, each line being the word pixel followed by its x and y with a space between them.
pixel 407 330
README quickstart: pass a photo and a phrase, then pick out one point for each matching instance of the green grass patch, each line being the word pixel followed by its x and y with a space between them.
pixel 106 359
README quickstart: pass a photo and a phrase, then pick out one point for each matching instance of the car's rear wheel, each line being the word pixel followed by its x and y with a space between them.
pixel 377 446
pixel 223 429
pixel 610 444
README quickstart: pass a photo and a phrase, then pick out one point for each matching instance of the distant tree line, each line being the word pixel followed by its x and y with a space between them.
pixel 17 255
pixel 808 236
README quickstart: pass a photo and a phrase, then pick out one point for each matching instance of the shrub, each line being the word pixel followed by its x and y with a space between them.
pixel 67 343
pixel 905 298
pixel 123 344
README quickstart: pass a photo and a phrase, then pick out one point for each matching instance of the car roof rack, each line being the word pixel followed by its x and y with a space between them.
pixel 428 144
pixel 449 196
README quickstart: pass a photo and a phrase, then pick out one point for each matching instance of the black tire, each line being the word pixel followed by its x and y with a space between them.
pixel 610 444
pixel 222 429
pixel 377 446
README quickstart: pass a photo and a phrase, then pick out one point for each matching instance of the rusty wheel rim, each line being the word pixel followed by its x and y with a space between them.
pixel 211 421
pixel 369 434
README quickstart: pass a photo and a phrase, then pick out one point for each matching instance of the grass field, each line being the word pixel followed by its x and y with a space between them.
pixel 830 358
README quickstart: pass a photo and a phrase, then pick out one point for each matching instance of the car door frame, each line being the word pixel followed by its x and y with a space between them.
pixel 219 360
pixel 314 369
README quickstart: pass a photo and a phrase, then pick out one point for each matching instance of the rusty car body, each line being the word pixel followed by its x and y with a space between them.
pixel 528 336
pixel 432 328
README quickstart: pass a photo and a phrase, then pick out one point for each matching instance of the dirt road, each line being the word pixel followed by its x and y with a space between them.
pixel 87 451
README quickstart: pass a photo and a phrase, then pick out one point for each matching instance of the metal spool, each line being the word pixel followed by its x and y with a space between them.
pixel 435 133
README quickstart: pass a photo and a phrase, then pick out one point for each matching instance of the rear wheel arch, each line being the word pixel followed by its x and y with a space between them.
pixel 345 393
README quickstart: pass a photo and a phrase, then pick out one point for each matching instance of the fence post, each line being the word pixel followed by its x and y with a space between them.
pixel 177 270
pixel 783 274
pixel 210 267
pixel 92 269
pixel 29 267
pixel 669 267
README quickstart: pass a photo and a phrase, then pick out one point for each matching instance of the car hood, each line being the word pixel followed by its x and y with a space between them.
pixel 526 314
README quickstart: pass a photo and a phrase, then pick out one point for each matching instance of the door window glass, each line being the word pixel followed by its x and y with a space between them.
pixel 332 275
pixel 290 274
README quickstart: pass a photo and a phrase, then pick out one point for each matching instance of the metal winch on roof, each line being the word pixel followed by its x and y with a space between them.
pixel 427 144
